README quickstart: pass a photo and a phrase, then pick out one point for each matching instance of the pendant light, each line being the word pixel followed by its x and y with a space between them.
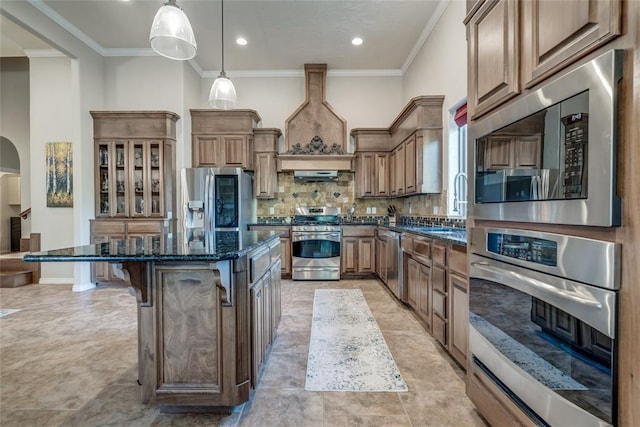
pixel 171 34
pixel 223 94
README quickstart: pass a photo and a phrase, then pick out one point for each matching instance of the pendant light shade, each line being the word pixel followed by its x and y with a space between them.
pixel 171 34
pixel 223 94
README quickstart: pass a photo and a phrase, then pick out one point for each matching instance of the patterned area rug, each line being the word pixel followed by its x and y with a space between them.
pixel 347 351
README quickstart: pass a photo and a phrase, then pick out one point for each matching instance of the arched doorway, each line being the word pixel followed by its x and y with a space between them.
pixel 10 200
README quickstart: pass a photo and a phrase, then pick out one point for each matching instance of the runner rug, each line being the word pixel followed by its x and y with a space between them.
pixel 347 351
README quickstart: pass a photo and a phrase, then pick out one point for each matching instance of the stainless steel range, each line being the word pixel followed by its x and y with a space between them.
pixel 315 236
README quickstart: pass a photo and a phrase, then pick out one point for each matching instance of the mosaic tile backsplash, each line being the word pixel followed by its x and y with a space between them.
pixel 419 210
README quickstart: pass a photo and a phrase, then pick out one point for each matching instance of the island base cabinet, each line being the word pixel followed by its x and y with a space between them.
pixel 192 348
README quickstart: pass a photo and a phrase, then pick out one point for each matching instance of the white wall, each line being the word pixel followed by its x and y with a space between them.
pixel 361 101
pixel 440 68
pixel 14 125
pixel 51 102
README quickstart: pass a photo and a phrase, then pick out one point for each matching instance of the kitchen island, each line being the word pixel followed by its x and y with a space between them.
pixel 208 309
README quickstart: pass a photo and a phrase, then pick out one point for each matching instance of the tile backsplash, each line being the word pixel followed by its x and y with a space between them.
pixel 341 193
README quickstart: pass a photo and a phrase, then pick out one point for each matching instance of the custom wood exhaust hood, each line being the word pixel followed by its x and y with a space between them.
pixel 315 135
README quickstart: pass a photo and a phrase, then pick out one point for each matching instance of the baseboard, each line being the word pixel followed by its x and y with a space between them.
pixel 55 280
pixel 83 287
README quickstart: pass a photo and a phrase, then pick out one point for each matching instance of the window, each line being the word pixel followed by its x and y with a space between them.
pixel 458 179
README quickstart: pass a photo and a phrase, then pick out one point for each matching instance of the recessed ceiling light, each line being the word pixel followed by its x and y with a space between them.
pixel 241 41
pixel 356 41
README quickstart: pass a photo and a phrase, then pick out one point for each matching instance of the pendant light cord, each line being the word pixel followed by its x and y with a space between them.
pixel 222 13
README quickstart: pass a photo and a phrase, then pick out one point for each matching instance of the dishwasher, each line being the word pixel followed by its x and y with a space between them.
pixel 394 263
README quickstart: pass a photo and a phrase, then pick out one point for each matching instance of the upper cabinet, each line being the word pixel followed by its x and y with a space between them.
pixel 557 33
pixel 223 138
pixel 493 52
pixel 135 163
pixel 265 181
pixel 516 44
pixel 404 159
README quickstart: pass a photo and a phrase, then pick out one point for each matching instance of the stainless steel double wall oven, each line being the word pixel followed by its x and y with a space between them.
pixel 315 239
pixel 543 306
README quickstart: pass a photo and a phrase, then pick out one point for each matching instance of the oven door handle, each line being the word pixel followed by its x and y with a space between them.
pixel 499 272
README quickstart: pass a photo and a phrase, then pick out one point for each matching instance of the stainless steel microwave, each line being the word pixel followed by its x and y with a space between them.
pixel 550 156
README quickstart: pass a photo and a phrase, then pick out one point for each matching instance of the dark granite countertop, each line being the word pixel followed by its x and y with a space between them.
pixel 449 234
pixel 212 246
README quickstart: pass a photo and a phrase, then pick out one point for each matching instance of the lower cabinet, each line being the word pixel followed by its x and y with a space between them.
pixel 437 290
pixel 358 250
pixel 266 305
pixel 458 303
pixel 285 245
pixel 114 231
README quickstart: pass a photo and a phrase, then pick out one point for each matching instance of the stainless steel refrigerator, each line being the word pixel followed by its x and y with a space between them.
pixel 217 199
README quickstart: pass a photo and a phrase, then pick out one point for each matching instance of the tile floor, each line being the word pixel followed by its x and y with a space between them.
pixel 70 359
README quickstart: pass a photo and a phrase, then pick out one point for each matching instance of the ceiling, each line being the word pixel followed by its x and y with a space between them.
pixel 282 35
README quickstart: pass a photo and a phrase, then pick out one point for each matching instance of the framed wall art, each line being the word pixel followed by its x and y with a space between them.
pixel 59 176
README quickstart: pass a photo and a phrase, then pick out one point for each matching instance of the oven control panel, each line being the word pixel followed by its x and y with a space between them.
pixel 575 155
pixel 525 248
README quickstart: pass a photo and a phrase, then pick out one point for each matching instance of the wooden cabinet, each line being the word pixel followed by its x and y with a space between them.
pixel 437 289
pixel 135 164
pixel 493 36
pixel 372 174
pixel 222 151
pixel 115 231
pixel 555 34
pixel 223 138
pixel 358 250
pixel 285 245
pixel 134 179
pixel 266 300
pixel 509 152
pixel 398 170
pixel 265 178
pixel 458 302
pixel 516 44
pixel 410 165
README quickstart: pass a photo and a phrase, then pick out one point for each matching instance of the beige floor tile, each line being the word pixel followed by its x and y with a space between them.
pixel 344 403
pixel 70 359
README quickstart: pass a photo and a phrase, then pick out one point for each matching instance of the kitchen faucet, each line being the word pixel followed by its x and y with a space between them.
pixel 457 185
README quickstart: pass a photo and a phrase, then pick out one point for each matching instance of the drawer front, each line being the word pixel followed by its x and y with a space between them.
pixel 406 241
pixel 438 253
pixel 145 227
pixel 422 250
pixel 107 227
pixel 458 259
pixel 358 230
pixel 439 304
pixel 259 264
pixel 275 250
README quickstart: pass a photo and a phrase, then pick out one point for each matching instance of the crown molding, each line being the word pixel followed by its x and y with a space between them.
pixel 58 19
pixel 44 53
pixel 433 21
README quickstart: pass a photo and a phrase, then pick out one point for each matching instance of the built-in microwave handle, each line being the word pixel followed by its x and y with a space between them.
pixel 500 272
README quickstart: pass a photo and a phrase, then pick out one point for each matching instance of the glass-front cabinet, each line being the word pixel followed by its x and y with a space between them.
pixel 112 179
pixel 147 196
pixel 130 179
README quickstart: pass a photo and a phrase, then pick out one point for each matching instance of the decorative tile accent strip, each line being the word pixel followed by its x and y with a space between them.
pixel 422 221
pixel 347 351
